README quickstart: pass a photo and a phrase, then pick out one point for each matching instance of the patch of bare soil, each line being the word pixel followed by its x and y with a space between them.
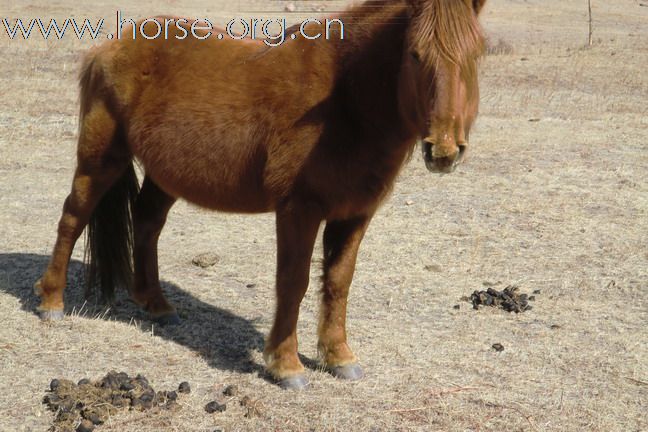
pixel 83 406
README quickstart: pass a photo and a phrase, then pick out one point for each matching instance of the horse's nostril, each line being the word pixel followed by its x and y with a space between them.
pixel 443 161
pixel 460 155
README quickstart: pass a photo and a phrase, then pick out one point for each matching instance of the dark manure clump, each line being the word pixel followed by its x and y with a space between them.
pixel 88 404
pixel 510 299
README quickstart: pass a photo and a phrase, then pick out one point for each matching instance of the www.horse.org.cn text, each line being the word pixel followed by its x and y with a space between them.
pixel 272 31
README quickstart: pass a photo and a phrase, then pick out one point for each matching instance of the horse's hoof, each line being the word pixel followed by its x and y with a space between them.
pixel 51 315
pixel 170 319
pixel 297 382
pixel 351 372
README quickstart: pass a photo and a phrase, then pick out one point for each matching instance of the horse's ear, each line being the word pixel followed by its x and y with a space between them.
pixel 478 5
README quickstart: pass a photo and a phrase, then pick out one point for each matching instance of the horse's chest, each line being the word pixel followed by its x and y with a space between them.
pixel 357 193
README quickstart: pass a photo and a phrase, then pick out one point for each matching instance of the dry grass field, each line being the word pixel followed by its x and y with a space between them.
pixel 553 198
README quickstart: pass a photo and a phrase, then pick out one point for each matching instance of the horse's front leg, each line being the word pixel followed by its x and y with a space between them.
pixel 341 242
pixel 296 232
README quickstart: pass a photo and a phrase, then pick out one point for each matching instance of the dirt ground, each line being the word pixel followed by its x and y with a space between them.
pixel 554 198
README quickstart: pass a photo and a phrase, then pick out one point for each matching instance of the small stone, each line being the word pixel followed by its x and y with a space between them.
pixel 531 298
pixel 433 268
pixel 84 381
pixel 54 384
pixel 66 417
pixel 250 285
pixel 498 347
pixel 231 390
pixel 147 397
pixel 146 404
pixel 214 406
pixel 171 395
pixel 137 404
pixel 409 202
pixel 127 386
pixel 555 327
pixel 110 381
pixel 92 417
pixel 205 260
pixel 171 405
pixel 66 405
pixel 160 397
pixel 537 292
pixel 456 307
pixel 482 298
pixel 141 379
pixel 85 426
pixel 119 401
pixel 184 387
pixel 52 400
pixel 290 7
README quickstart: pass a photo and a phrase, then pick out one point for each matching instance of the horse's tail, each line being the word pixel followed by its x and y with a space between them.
pixel 109 234
pixel 109 237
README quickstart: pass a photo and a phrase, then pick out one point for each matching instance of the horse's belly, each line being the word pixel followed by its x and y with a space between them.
pixel 218 176
pixel 210 191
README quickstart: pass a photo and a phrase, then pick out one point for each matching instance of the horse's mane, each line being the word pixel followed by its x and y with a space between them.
pixel 438 29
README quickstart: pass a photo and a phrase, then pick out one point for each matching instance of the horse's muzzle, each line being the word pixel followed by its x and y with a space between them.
pixel 443 164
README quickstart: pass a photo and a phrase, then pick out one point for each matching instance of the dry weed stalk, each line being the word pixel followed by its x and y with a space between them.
pixel 589 7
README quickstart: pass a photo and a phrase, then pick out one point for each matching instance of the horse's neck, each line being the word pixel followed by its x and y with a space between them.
pixel 370 62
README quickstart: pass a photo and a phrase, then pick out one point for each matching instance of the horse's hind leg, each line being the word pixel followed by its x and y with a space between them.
pixel 149 216
pixel 100 162
pixel 341 242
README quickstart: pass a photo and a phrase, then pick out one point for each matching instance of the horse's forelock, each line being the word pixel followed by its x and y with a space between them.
pixel 446 29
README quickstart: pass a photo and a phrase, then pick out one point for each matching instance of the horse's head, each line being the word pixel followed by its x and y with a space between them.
pixel 439 89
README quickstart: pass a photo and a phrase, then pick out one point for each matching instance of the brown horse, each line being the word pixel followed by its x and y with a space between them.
pixel 314 130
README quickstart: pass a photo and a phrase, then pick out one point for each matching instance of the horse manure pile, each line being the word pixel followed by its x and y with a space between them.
pixel 510 299
pixel 83 406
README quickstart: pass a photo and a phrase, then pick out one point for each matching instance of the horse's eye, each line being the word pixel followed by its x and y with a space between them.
pixel 416 56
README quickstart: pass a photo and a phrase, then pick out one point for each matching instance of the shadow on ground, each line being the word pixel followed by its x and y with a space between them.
pixel 224 339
